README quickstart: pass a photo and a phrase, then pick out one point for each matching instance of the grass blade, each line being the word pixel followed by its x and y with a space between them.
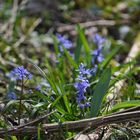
pixel 78 49
pixel 110 56
pixel 125 104
pixel 85 43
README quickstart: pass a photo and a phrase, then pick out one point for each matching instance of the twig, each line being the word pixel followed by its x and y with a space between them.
pixel 5 62
pixel 23 4
pixel 136 108
pixel 9 25
pixel 75 125
pixel 30 123
pixel 23 37
pixel 16 8
pixel 64 27
pixel 37 120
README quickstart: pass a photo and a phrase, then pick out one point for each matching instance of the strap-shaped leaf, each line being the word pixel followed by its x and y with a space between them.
pixel 125 104
pixel 99 92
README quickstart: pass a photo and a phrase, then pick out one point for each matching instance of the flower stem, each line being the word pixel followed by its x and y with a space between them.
pixel 20 102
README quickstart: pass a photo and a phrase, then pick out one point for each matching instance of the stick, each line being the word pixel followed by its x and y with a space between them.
pixel 75 125
pixel 64 27
pixel 23 37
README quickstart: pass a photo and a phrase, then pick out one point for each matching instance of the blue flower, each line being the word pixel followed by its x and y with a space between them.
pixel 82 84
pixel 81 77
pixel 38 87
pixel 97 53
pixel 83 70
pixel 97 56
pixel 94 70
pixel 81 87
pixel 63 42
pixel 11 95
pixel 87 104
pixel 30 91
pixel 20 73
pixel 98 40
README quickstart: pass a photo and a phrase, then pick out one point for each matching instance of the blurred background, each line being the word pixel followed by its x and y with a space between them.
pixel 26 26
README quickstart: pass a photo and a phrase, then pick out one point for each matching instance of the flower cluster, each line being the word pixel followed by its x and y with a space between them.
pixel 98 40
pixel 38 88
pixel 11 95
pixel 97 56
pixel 81 85
pixel 63 42
pixel 20 73
pixel 97 53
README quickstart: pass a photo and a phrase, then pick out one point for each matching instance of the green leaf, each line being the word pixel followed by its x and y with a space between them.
pixel 39 105
pixel 85 43
pixel 110 56
pixel 10 103
pixel 67 104
pixel 78 49
pixel 70 59
pixel 11 86
pixel 126 104
pixel 55 41
pixel 39 132
pixel 58 102
pixel 42 96
pixel 100 91
pixel 13 137
pixel 38 68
